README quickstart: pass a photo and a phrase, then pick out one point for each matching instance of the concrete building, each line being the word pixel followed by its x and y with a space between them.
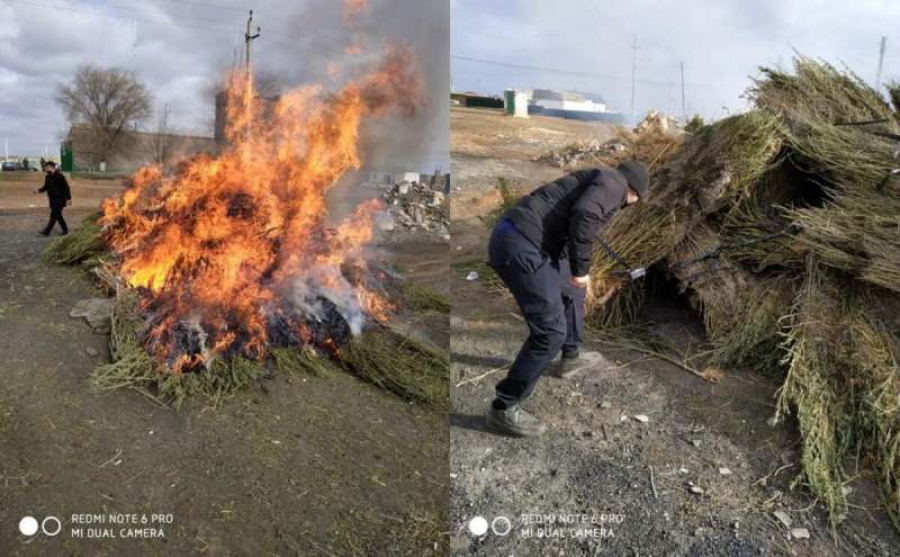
pixel 572 104
pixel 132 150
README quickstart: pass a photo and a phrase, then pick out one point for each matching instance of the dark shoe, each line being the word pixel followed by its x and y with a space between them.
pixel 571 366
pixel 64 232
pixel 44 233
pixel 514 421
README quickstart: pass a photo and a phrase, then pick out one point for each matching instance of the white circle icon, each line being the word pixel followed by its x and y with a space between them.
pixel 28 526
pixel 501 526
pixel 478 526
pixel 51 520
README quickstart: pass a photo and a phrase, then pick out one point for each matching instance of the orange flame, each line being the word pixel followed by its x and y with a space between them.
pixel 232 243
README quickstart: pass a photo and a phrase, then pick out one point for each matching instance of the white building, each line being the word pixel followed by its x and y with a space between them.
pixel 572 104
pixel 568 100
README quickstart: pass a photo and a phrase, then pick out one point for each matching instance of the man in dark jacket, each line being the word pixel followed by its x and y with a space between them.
pixel 59 195
pixel 542 250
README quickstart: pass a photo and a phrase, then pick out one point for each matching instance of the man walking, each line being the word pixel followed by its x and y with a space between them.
pixel 59 195
pixel 542 249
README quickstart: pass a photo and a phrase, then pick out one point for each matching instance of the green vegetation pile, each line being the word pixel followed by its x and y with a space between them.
pixel 780 226
pixel 413 369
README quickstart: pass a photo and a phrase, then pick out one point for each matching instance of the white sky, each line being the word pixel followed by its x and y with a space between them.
pixel 178 47
pixel 721 43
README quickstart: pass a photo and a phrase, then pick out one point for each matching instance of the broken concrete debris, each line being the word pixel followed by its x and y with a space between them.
pixel 415 205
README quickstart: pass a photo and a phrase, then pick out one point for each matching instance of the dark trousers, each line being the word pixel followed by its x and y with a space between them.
pixel 56 216
pixel 553 309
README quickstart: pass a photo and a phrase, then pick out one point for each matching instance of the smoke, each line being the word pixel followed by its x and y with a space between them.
pixel 309 293
pixel 315 44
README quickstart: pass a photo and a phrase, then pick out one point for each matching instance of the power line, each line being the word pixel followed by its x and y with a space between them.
pixel 561 71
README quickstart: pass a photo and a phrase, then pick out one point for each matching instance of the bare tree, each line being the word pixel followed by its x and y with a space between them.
pixel 108 100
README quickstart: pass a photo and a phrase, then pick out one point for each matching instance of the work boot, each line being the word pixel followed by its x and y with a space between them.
pixel 514 421
pixel 573 364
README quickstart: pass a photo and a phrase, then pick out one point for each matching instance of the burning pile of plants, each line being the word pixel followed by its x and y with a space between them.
pixel 230 258
pixel 780 226
pixel 652 141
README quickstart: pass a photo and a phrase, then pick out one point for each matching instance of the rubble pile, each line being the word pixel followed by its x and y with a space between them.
pixel 657 122
pixel 652 141
pixel 584 152
pixel 418 206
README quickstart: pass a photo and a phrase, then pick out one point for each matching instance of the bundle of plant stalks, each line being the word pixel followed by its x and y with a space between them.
pixel 711 169
pixel 132 366
pixel 424 298
pixel 816 362
pixel 82 243
pixel 413 369
pixel 758 229
pixel 780 227
pixel 874 329
pixel 405 366
pixel 410 368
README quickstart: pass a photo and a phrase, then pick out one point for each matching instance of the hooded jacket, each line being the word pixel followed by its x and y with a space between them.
pixel 564 217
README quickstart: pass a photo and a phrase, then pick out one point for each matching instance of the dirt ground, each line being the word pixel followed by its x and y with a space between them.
pixel 615 485
pixel 301 465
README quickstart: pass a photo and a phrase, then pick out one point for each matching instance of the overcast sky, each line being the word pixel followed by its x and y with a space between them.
pixel 721 43
pixel 179 47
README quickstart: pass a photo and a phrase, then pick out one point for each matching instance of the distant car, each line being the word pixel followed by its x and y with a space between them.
pixel 10 166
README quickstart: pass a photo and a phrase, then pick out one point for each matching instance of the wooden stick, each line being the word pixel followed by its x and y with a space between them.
pixel 483 375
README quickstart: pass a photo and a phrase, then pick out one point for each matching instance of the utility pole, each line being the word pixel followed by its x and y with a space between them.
pixel 881 50
pixel 634 46
pixel 163 138
pixel 683 112
pixel 248 38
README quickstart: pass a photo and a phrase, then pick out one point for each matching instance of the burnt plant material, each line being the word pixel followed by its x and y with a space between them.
pixel 133 367
pixel 412 369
